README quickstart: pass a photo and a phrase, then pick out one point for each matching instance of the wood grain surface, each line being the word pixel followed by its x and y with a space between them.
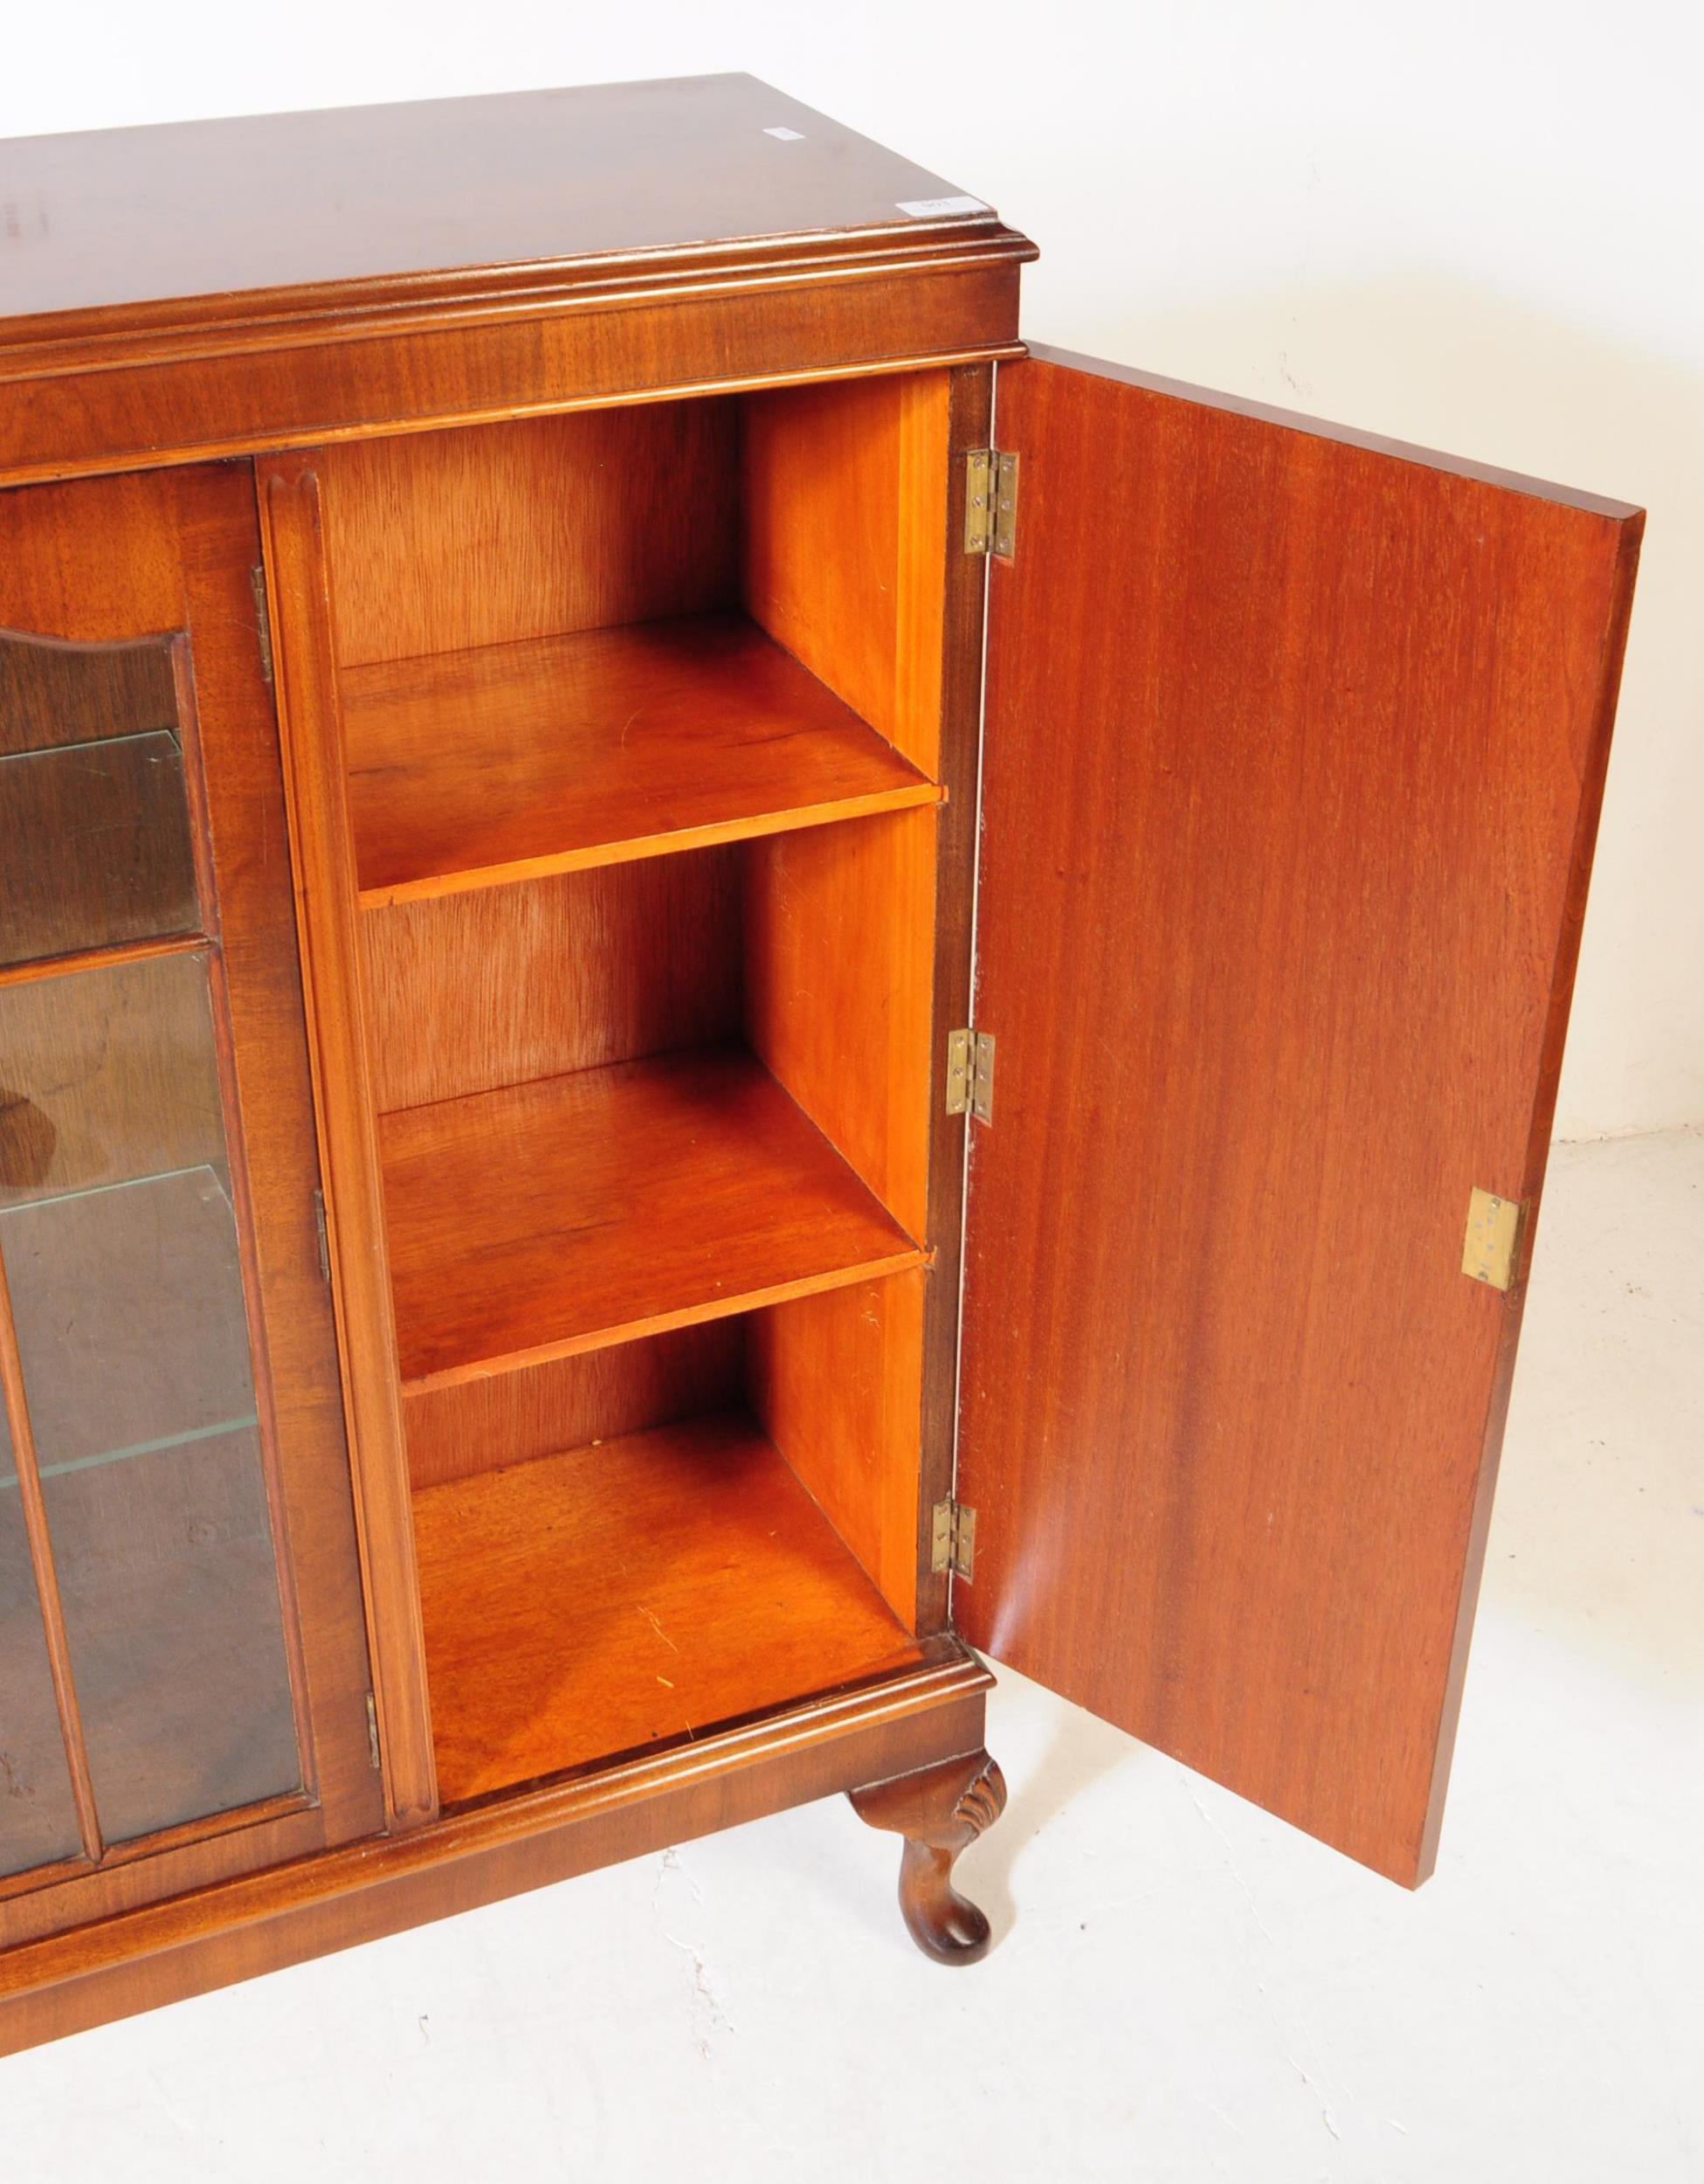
pixel 285 281
pixel 633 1593
pixel 536 527
pixel 843 488
pixel 836 1380
pixel 310 726
pixel 386 196
pixel 970 421
pixel 468 992
pixel 838 965
pixel 569 1402
pixel 513 761
pixel 1294 749
pixel 559 1215
pixel 109 403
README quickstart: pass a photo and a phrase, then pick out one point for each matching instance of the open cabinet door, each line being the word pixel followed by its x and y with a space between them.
pixel 1294 748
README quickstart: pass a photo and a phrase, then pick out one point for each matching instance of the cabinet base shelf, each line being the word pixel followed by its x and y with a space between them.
pixel 631 1594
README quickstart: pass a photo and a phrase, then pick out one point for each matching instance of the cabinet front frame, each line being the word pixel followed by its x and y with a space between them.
pixel 120 404
pixel 103 562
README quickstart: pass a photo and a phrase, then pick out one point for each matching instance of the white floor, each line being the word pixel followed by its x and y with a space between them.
pixel 1185 1989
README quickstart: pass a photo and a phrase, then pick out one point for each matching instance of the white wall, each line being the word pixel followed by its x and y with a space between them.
pixel 1478 223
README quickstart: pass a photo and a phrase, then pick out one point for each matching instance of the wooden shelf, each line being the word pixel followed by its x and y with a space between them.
pixel 510 762
pixel 585 1604
pixel 548 1218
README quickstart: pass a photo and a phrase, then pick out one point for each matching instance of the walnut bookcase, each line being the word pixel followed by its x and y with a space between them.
pixel 564 656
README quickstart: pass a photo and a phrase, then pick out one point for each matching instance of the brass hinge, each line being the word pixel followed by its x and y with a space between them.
pixel 373 1734
pixel 263 620
pixel 1493 1241
pixel 970 1075
pixel 953 1540
pixel 990 503
pixel 321 1235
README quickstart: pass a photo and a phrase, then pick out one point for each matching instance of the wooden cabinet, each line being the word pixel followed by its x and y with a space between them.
pixel 710 986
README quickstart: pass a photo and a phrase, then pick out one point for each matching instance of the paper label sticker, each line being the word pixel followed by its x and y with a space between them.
pixel 939 208
pixel 787 136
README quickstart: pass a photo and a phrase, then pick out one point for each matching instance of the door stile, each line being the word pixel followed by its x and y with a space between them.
pixel 963 641
pixel 310 728
pixel 224 1062
pixel 1564 971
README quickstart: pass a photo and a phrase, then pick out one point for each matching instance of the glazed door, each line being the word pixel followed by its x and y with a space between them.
pixel 1295 741
pixel 183 1667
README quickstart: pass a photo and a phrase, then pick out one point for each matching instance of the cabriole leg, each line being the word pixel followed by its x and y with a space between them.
pixel 940 1811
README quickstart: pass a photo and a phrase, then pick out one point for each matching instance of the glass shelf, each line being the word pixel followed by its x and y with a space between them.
pixel 137 1448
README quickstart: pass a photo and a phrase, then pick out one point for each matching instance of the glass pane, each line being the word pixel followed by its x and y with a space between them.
pixel 107 1075
pixel 38 1818
pixel 92 808
pixel 170 1600
pixel 120 1246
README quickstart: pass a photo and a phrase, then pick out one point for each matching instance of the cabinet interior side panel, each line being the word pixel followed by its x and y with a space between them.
pixel 845 536
pixel 836 1381
pixel 840 988
pixel 488 535
pixel 842 498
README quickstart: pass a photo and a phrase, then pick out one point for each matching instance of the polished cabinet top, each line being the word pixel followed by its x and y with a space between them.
pixel 382 203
